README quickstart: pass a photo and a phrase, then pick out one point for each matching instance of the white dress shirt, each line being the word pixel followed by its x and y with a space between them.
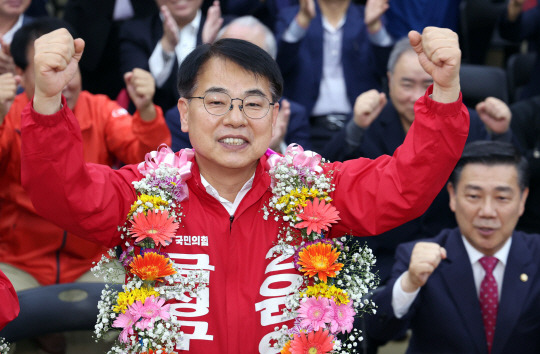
pixel 332 89
pixel 161 63
pixel 8 36
pixel 230 206
pixel 402 301
pixel 123 10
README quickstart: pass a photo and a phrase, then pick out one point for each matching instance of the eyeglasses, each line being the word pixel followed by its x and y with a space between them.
pixel 219 103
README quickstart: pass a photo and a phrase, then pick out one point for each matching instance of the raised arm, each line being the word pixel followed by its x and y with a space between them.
pixel 374 196
pixel 89 200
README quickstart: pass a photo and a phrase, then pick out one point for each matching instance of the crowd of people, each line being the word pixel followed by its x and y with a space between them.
pixel 344 79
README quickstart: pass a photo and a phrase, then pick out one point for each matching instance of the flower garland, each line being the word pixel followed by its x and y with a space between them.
pixel 4 346
pixel 140 311
pixel 337 273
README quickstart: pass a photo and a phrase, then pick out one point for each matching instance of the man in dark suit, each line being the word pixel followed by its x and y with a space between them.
pixel 378 128
pixel 476 288
pixel 329 52
pixel 160 42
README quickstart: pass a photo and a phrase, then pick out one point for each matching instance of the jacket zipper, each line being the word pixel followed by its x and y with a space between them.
pixel 231 218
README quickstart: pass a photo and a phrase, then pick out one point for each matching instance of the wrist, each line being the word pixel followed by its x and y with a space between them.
pixel 147 113
pixel 47 105
pixel 166 46
pixel 445 94
pixel 406 283
pixel 374 27
pixel 303 20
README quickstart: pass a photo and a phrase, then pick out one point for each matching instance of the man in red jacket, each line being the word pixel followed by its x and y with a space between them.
pixel 243 303
pixel 34 251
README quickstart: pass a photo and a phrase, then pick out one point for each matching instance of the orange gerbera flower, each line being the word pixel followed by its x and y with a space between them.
pixel 156 224
pixel 151 266
pixel 318 342
pixel 287 348
pixel 319 259
pixel 317 216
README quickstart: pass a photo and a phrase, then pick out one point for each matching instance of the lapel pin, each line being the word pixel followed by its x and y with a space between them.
pixel 524 277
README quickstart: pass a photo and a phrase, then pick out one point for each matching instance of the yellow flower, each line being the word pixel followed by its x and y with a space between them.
pixel 156 201
pixel 323 290
pixel 126 299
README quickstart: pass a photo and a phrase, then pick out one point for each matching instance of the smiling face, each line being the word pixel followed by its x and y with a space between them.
pixel 231 142
pixel 406 84
pixel 487 202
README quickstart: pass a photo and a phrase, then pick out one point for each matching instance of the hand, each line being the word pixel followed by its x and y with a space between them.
pixel 439 54
pixel 495 114
pixel 367 107
pixel 7 65
pixel 514 9
pixel 8 90
pixel 425 258
pixel 282 123
pixel 56 61
pixel 170 31
pixel 306 13
pixel 141 87
pixel 212 24
pixel 372 14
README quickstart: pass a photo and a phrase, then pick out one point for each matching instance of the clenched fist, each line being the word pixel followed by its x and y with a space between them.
pixel 56 61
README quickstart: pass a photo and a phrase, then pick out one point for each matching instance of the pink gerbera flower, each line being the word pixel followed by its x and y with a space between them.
pixel 314 312
pixel 317 216
pixel 157 225
pixel 342 317
pixel 317 342
pixel 126 322
pixel 149 312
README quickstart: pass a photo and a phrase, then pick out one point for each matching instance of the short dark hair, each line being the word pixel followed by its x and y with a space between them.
pixel 243 53
pixel 492 153
pixel 28 33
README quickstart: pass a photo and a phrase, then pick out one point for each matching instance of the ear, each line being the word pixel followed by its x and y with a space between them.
pixel 524 196
pixel 389 77
pixel 452 194
pixel 183 107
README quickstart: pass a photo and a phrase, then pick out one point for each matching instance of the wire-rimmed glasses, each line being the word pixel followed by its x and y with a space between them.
pixel 219 103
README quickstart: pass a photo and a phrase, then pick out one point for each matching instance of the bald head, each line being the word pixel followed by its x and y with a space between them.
pixel 252 30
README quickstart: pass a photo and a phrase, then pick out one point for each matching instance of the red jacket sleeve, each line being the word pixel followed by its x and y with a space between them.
pixel 8 298
pixel 88 200
pixel 374 196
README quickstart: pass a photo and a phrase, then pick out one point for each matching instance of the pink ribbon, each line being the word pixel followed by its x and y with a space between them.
pixel 300 158
pixel 164 154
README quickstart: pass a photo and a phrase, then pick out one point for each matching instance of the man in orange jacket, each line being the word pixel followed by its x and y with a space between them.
pixel 34 251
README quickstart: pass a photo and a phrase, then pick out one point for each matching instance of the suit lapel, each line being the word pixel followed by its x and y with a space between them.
pixel 316 47
pixel 457 274
pixel 514 291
